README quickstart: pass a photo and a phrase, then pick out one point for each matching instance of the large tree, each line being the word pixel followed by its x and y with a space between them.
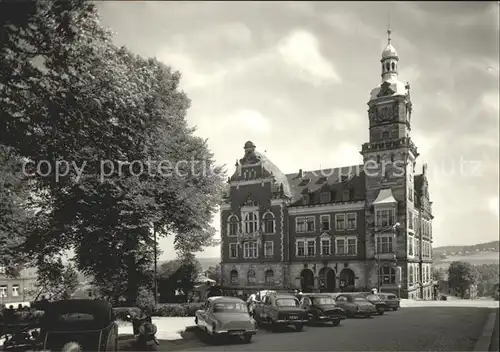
pixel 74 100
pixel 461 275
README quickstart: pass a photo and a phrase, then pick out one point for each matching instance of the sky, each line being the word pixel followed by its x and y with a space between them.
pixel 295 77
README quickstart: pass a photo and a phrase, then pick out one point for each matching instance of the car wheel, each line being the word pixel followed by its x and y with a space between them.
pixel 381 312
pixel 395 308
pixel 335 322
pixel 247 338
pixel 299 327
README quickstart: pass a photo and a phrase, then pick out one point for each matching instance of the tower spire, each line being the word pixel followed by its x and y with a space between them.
pixel 389 31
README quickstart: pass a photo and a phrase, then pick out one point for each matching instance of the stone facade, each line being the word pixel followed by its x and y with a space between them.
pixel 350 228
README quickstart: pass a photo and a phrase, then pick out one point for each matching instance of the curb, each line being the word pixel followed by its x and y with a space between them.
pixel 483 344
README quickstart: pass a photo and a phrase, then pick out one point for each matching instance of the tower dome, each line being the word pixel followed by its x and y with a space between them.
pixel 389 52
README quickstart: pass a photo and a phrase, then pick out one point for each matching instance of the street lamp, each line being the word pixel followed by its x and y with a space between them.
pixel 377 254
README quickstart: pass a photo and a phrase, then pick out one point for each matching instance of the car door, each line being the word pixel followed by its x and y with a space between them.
pixel 306 304
pixel 342 302
pixel 203 315
pixel 266 306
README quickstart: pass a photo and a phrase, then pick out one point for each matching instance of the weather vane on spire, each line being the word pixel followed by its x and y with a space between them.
pixel 389 31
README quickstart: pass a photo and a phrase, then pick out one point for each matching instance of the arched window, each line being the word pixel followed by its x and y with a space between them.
pixel 393 66
pixel 268 221
pixel 387 66
pixel 387 276
pixel 383 68
pixel 251 222
pixel 269 274
pixel 251 277
pixel 233 277
pixel 232 225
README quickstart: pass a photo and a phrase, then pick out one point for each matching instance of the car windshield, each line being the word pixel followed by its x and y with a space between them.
pixel 287 302
pixel 323 300
pixel 359 299
pixel 373 298
pixel 230 307
pixel 391 297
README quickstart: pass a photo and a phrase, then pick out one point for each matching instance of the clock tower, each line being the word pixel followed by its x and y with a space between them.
pixel 389 159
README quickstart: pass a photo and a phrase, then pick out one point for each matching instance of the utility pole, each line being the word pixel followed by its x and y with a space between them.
pixel 156 266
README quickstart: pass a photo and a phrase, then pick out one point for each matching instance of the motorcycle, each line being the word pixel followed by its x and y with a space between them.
pixel 145 332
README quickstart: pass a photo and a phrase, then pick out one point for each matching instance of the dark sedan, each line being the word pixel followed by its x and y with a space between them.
pixel 379 304
pixel 321 308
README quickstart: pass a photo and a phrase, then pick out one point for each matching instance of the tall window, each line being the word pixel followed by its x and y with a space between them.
pixel 410 194
pixel 326 245
pixel 410 245
pixel 251 279
pixel 325 222
pixel 232 225
pixel 387 275
pixel 269 277
pixel 384 244
pixel 250 249
pixel 251 221
pixel 304 224
pixel 340 221
pixel 311 248
pixel 385 217
pixel 3 291
pixel 305 247
pixel 233 250
pixel 410 220
pixel 351 221
pixel 346 246
pixel 417 247
pixel 411 276
pixel 268 248
pixel 233 277
pixel 15 290
pixel 268 223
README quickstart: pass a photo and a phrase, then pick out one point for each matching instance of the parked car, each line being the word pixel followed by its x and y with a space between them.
pixel 355 305
pixel 321 308
pixel 281 310
pixel 226 316
pixel 391 299
pixel 83 322
pixel 374 299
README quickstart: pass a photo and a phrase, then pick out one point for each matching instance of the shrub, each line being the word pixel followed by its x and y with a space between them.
pixel 146 300
pixel 178 310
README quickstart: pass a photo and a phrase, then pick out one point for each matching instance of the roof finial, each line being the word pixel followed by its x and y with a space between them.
pixel 389 31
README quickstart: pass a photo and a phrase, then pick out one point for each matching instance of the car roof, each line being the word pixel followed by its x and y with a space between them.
pixel 224 299
pixel 316 295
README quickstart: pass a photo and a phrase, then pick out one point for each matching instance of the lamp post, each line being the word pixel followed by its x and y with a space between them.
pixel 377 254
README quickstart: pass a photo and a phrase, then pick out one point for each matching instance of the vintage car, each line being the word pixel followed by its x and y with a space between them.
pixel 281 310
pixel 355 305
pixel 321 308
pixel 375 299
pixel 226 316
pixel 391 299
pixel 88 323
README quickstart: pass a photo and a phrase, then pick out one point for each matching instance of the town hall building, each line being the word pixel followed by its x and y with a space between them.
pixel 343 229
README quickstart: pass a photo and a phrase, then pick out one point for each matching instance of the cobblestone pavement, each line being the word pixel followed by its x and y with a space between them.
pixel 409 329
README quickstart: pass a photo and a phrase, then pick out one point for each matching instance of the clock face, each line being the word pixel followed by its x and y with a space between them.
pixel 385 113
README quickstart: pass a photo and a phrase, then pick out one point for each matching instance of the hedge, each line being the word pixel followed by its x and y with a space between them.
pixel 163 310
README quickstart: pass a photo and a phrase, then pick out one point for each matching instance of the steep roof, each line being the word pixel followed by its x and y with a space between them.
pixel 333 180
pixel 279 176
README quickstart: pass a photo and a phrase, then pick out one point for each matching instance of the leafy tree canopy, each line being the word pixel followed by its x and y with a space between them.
pixel 94 114
pixel 461 275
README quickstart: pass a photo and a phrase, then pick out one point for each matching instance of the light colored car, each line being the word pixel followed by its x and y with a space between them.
pixel 281 310
pixel 226 316
pixel 391 299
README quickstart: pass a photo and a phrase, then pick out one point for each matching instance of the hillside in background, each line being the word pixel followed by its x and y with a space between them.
pixel 481 247
pixel 208 262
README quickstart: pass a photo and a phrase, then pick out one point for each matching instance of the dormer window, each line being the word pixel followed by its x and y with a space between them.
pixel 306 199
pixel 325 197
pixel 304 182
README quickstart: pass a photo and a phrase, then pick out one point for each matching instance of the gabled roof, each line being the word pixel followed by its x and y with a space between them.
pixel 318 181
pixel 385 197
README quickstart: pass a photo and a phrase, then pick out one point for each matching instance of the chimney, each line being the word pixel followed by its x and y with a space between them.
pixel 300 173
